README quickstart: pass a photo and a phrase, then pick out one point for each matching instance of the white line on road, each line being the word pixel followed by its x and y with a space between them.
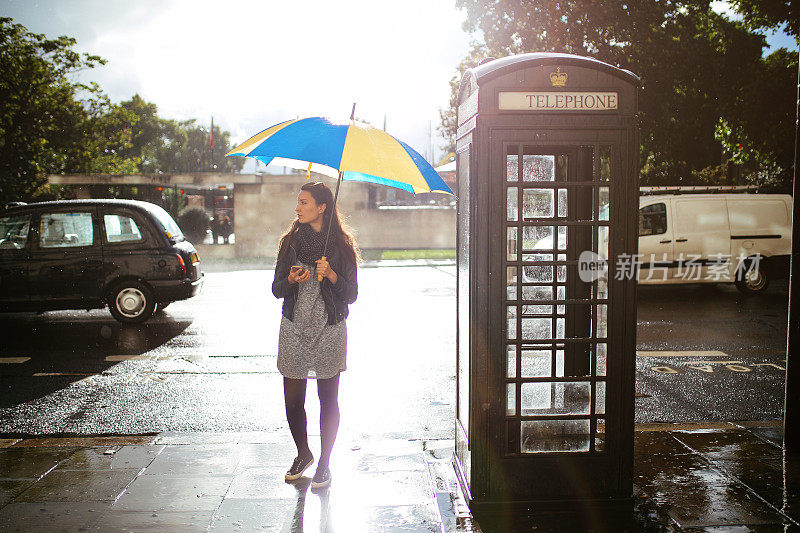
pixel 674 353
pixel 128 357
pixel 10 360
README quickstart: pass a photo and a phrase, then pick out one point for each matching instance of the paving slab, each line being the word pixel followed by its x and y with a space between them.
pixel 51 516
pixel 174 493
pixel 31 462
pixel 115 457
pixel 195 459
pixel 136 521
pixel 79 486
pixel 728 444
pixel 250 515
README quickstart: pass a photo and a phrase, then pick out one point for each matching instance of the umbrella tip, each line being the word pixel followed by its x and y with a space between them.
pixel 353 112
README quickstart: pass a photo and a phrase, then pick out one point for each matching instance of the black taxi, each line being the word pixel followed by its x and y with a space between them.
pixel 86 254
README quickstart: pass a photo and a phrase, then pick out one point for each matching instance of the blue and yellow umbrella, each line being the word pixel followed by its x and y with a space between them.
pixel 355 152
pixel 349 152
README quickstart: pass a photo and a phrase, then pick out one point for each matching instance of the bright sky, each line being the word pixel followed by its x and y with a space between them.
pixel 251 63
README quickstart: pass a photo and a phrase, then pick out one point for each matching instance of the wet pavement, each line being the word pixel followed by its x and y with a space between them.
pixel 688 477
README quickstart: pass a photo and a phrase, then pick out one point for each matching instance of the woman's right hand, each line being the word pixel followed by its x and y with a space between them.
pixel 299 276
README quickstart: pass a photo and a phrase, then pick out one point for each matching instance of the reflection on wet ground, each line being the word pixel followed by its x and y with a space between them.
pixel 717 477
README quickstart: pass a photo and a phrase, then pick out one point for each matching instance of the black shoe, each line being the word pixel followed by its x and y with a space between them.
pixel 298 467
pixel 322 478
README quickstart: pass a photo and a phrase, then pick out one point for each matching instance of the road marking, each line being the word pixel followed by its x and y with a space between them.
pixel 43 374
pixel 11 360
pixel 712 362
pixel 128 357
pixel 675 353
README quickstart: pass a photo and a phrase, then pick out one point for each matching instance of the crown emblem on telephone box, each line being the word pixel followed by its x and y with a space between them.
pixel 558 78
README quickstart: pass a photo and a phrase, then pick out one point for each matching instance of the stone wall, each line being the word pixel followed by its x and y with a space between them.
pixel 262 212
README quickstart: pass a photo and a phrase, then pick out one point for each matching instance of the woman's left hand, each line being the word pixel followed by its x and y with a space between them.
pixel 324 270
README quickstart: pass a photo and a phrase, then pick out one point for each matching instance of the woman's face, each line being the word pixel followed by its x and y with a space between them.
pixel 308 210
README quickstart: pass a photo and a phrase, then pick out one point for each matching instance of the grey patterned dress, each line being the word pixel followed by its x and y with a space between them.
pixel 308 347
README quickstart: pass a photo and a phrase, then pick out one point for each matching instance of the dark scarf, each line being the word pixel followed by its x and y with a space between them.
pixel 310 244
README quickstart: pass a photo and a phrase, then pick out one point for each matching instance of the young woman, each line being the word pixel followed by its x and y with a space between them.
pixel 313 335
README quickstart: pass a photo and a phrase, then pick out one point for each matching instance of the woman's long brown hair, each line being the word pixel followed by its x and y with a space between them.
pixel 341 234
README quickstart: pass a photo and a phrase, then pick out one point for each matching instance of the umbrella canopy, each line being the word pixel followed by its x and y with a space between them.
pixel 355 152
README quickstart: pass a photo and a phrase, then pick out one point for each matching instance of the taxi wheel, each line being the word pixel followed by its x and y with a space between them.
pixel 131 302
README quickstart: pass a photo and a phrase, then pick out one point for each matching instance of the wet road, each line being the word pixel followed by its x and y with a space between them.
pixel 208 364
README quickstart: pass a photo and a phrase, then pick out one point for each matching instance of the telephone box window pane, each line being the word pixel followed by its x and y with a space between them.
pixel 537 238
pixel 602 288
pixel 561 167
pixel 544 436
pixel 562 398
pixel 560 328
pixel 538 168
pixel 539 309
pixel 511 283
pixel 511 399
pixel 537 293
pixel 602 243
pixel 512 164
pixel 603 203
pixel 562 203
pixel 559 363
pixel 562 237
pixel 562 274
pixel 512 322
pixel 537 274
pixel 537 328
pixel 536 398
pixel 512 244
pixel 600 398
pixel 602 321
pixel 537 257
pixel 600 436
pixel 512 204
pixel 536 363
pixel 605 163
pixel 511 356
pixel 562 293
pixel 537 203
pixel 600 361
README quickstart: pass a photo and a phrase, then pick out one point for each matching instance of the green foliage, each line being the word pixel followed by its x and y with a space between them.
pixel 193 223
pixel 50 124
pixel 770 14
pixel 41 116
pixel 705 86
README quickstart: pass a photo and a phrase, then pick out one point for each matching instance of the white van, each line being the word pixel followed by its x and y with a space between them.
pixel 715 238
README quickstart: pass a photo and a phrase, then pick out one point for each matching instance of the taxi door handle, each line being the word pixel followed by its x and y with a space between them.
pixel 681 240
pixel 665 241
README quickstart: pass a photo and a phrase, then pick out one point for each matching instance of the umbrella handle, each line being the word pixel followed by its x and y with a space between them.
pixel 319 276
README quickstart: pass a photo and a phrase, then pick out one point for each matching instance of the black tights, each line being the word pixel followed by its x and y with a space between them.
pixel 294 393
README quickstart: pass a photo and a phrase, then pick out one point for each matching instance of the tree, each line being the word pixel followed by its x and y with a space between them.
pixel 694 65
pixel 770 14
pixel 41 114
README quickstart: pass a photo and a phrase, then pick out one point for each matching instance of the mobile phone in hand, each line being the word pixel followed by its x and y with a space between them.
pixel 297 269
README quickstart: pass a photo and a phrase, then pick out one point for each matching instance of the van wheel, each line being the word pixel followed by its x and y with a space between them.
pixel 131 302
pixel 751 280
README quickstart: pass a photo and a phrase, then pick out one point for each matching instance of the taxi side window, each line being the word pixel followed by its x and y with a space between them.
pixel 121 228
pixel 14 231
pixel 66 230
pixel 653 219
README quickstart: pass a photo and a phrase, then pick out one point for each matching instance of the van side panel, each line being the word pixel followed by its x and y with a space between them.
pixel 762 227
pixel 702 239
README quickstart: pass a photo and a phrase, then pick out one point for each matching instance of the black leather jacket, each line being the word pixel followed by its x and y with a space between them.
pixel 337 297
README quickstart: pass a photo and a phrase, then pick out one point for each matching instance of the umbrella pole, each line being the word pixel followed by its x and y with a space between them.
pixel 333 211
